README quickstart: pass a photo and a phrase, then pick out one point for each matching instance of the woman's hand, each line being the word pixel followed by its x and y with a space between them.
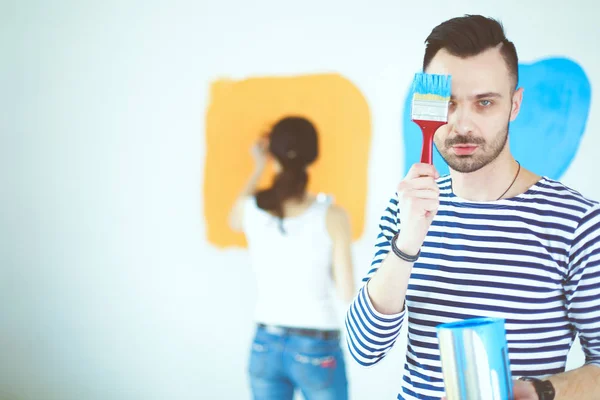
pixel 260 153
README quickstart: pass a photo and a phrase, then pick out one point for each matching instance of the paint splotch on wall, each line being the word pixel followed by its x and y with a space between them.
pixel 547 133
pixel 240 112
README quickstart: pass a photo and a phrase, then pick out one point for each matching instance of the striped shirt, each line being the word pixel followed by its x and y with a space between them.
pixel 533 260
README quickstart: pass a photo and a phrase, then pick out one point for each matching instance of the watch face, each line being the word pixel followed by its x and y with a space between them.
pixel 545 390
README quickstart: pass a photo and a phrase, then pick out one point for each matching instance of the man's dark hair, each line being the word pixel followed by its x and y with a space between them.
pixel 471 35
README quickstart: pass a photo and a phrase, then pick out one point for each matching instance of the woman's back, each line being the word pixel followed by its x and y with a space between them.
pixel 292 259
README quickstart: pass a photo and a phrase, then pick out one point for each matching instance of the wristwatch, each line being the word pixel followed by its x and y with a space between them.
pixel 544 389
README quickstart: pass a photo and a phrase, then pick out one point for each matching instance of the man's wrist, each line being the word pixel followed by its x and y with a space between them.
pixel 406 245
pixel 404 252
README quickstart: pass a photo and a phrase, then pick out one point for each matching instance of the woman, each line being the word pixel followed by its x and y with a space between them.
pixel 299 245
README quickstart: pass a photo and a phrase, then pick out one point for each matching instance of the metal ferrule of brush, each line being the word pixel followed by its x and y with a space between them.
pixel 429 110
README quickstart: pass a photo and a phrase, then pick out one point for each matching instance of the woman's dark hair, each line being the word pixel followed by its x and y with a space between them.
pixel 294 144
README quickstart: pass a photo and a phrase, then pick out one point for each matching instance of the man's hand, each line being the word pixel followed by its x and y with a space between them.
pixel 524 391
pixel 418 201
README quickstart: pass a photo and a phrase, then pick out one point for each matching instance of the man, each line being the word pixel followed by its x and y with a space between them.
pixel 492 239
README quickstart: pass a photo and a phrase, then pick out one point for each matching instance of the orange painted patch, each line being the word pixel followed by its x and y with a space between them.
pixel 241 111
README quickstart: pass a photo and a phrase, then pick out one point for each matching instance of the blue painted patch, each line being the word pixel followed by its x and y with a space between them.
pixel 548 130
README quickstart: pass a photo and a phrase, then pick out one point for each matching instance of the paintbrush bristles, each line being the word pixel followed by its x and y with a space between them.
pixel 419 96
pixel 440 85
pixel 431 95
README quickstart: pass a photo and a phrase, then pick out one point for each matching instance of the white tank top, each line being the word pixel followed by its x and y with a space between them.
pixel 292 269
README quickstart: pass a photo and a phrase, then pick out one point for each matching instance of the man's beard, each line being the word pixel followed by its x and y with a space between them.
pixel 488 152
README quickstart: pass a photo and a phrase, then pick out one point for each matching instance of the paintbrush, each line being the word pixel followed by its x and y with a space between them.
pixel 431 97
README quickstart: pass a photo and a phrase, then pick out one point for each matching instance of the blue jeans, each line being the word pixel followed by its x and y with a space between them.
pixel 280 364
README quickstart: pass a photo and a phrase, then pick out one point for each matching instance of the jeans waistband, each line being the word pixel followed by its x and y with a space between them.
pixel 313 333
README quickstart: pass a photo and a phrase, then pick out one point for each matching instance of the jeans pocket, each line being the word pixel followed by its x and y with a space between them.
pixel 259 360
pixel 315 371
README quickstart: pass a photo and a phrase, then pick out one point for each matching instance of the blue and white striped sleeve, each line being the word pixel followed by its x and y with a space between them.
pixel 582 286
pixel 370 334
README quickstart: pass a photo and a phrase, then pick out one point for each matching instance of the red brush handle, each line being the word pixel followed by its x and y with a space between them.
pixel 428 128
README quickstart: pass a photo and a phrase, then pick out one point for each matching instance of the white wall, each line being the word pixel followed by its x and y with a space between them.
pixel 108 287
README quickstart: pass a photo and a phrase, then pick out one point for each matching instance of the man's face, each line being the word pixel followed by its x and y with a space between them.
pixel 482 104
